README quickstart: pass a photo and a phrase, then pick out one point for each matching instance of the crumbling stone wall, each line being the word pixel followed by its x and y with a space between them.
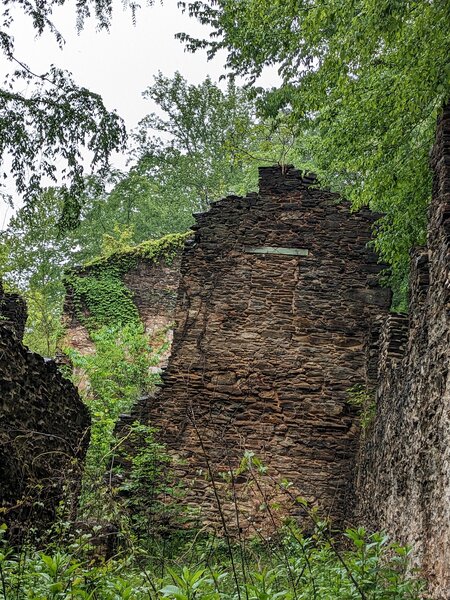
pixel 403 480
pixel 275 296
pixel 44 429
pixel 152 282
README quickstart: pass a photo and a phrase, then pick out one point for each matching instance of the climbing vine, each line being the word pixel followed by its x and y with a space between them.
pixel 98 292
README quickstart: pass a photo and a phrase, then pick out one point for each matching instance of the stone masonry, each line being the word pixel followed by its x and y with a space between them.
pixel 403 479
pixel 275 296
pixel 44 429
pixel 153 285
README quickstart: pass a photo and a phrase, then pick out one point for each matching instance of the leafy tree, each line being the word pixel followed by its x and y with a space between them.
pixel 33 256
pixel 190 152
pixel 203 144
pixel 54 118
pixel 369 76
pixel 136 203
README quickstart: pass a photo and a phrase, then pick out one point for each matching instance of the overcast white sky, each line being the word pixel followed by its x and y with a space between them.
pixel 120 64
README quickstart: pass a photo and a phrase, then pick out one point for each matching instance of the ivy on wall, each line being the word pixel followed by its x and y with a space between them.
pixel 98 292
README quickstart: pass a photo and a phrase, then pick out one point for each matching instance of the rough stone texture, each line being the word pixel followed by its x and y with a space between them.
pixel 265 350
pixel 13 311
pixel 403 480
pixel 44 429
pixel 154 289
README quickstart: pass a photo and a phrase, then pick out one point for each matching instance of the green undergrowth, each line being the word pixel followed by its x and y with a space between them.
pixel 110 379
pixel 290 566
pixel 115 373
pixel 98 292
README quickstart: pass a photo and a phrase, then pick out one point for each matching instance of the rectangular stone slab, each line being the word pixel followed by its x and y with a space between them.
pixel 275 250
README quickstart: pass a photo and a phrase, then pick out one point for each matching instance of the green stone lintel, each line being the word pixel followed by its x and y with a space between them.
pixel 274 250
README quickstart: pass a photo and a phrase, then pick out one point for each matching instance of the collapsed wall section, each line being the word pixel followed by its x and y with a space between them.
pixel 275 295
pixel 44 429
pixel 403 479
pixel 138 283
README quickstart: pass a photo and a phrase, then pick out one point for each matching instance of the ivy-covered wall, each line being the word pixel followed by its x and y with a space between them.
pixel 127 286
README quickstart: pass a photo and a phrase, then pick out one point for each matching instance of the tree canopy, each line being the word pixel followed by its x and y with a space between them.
pixel 54 119
pixel 203 144
pixel 367 77
pixel 193 149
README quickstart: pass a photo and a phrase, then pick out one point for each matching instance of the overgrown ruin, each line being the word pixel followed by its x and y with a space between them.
pixel 276 293
pixel 141 282
pixel 282 333
pixel 44 430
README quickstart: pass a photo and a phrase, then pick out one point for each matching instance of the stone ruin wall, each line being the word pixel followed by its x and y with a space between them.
pixel 403 480
pixel 44 429
pixel 153 286
pixel 267 344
